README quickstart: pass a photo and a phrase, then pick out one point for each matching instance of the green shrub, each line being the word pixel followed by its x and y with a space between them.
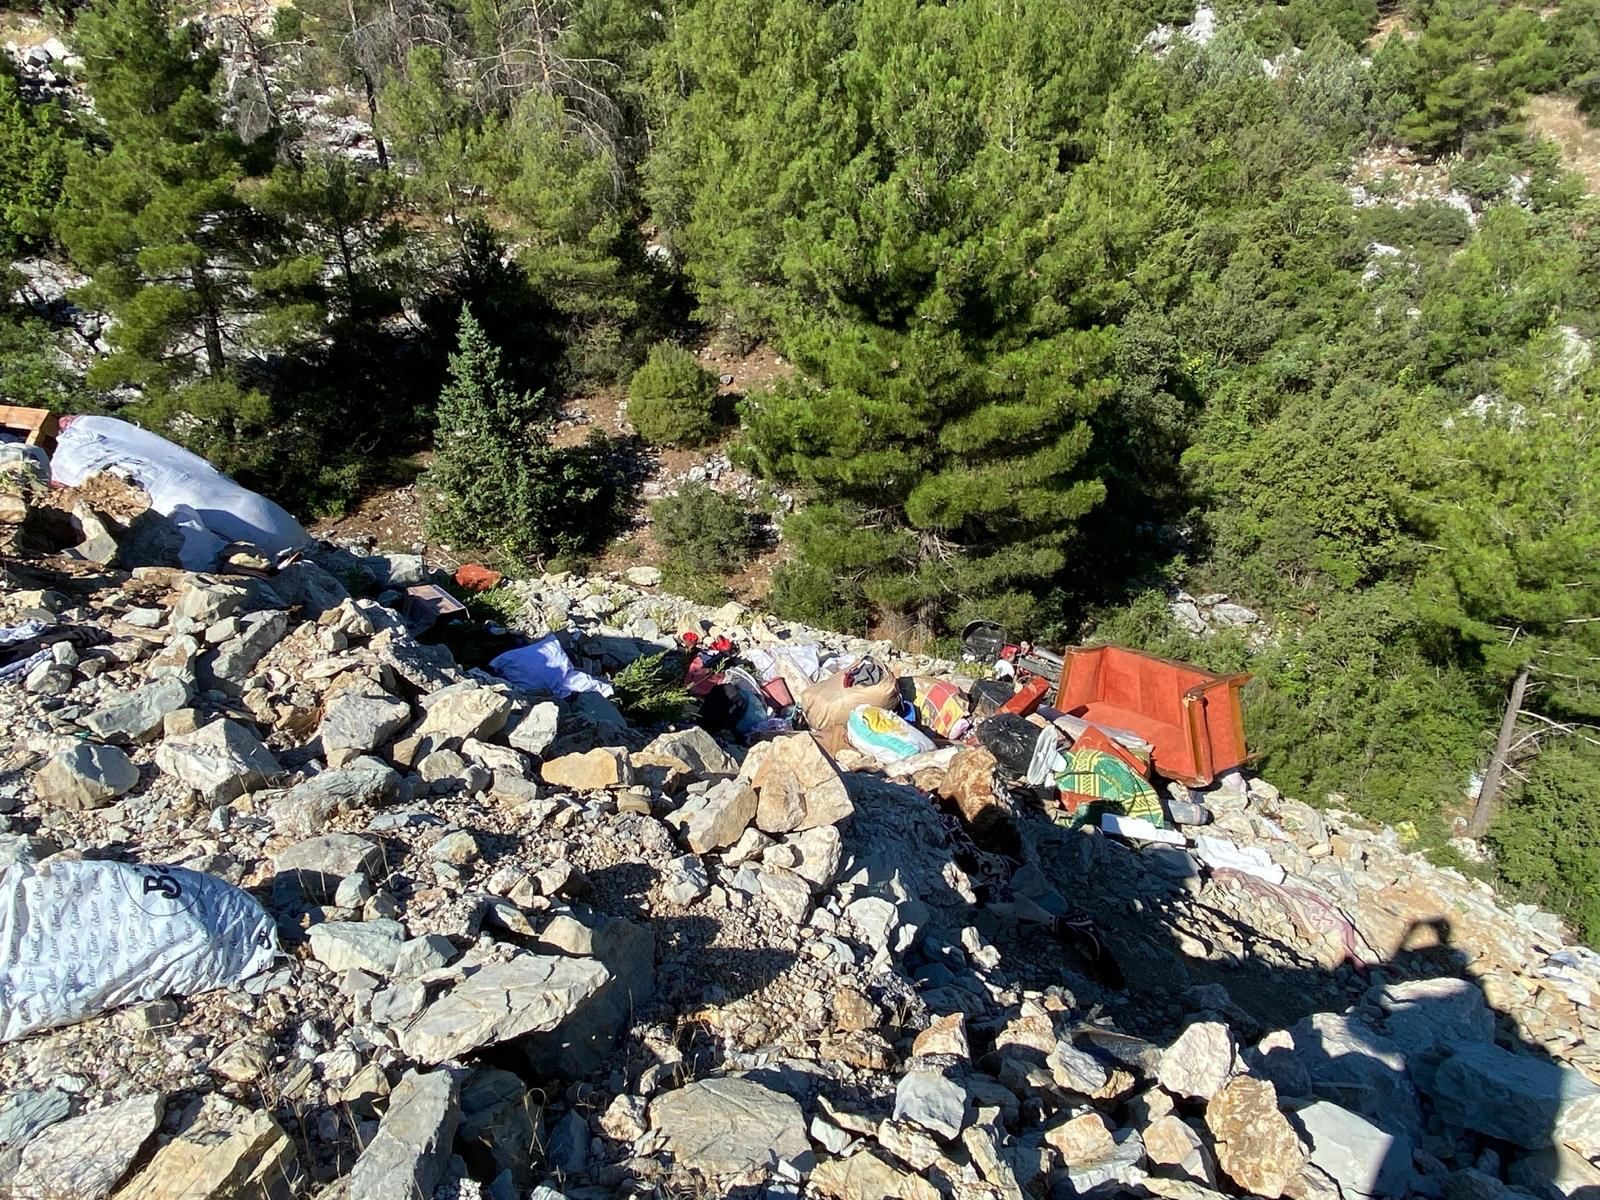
pixel 650 689
pixel 701 526
pixel 672 399
pixel 802 592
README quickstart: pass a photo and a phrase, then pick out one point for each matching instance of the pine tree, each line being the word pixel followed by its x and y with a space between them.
pixel 192 273
pixel 481 482
pixel 892 189
pixel 32 161
pixel 1514 514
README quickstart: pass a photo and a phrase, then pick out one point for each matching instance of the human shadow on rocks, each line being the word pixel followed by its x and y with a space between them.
pixel 1398 1076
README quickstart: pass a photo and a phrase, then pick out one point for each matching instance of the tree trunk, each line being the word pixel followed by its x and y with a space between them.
pixel 215 364
pixel 372 111
pixel 1489 791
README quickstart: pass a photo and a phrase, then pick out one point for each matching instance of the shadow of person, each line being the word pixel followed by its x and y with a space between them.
pixel 1399 1076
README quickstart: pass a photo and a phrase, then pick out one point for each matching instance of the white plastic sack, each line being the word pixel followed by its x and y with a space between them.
pixel 78 938
pixel 544 667
pixel 210 509
pixel 1218 853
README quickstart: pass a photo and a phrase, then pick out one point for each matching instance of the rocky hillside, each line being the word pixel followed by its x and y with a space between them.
pixel 529 948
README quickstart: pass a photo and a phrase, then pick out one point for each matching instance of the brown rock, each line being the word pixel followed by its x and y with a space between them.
pixel 1169 1142
pixel 226 1151
pixel 969 784
pixel 1082 1139
pixel 1033 1032
pixel 606 767
pixel 853 1012
pixel 865 1176
pixel 947 1035
pixel 797 786
pixel 1256 1146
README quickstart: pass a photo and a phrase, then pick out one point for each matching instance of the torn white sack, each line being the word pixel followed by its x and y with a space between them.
pixel 80 937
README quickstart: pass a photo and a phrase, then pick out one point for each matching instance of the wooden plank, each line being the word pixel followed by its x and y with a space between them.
pixel 38 426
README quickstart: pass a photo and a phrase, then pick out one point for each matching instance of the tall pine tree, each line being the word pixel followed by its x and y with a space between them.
pixel 192 273
pixel 895 189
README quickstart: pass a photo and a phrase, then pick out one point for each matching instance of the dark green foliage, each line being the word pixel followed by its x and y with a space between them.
pixel 672 398
pixel 884 186
pixel 32 162
pixel 1547 843
pixel 650 690
pixel 582 496
pixel 1512 517
pixel 1470 69
pixel 480 482
pixel 495 481
pixel 195 276
pixel 1575 43
pixel 705 527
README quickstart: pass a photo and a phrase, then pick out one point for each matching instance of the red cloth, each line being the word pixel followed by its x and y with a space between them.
pixel 476 577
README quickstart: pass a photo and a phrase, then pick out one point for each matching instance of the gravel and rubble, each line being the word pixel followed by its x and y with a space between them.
pixel 533 950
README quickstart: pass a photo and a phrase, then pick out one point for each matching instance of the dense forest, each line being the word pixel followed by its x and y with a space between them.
pixel 1087 304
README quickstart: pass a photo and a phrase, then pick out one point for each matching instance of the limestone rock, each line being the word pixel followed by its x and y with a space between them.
pixel 1559 1173
pixel 605 767
pixel 500 1114
pixel 408 1153
pixel 1529 1101
pixel 457 848
pixel 536 728
pixel 353 721
pixel 1429 1018
pixel 684 880
pixel 865 1176
pixel 1351 1064
pixel 464 710
pixel 137 716
pixel 947 1035
pixel 25 1111
pixel 1075 1070
pixel 692 750
pixel 316 866
pixel 221 1152
pixel 85 776
pixel 730 1125
pixel 1173 1143
pixel 820 852
pixel 1362 1159
pixel 797 786
pixel 1082 1139
pixel 86 1156
pixel 221 761
pixel 726 811
pixel 627 951
pixel 305 809
pixel 1199 1062
pixel 643 576
pixel 933 1101
pixel 358 945
pixel 1257 1148
pixel 231 664
pixel 533 993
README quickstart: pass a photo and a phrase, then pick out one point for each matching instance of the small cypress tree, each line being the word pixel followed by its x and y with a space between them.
pixel 481 484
